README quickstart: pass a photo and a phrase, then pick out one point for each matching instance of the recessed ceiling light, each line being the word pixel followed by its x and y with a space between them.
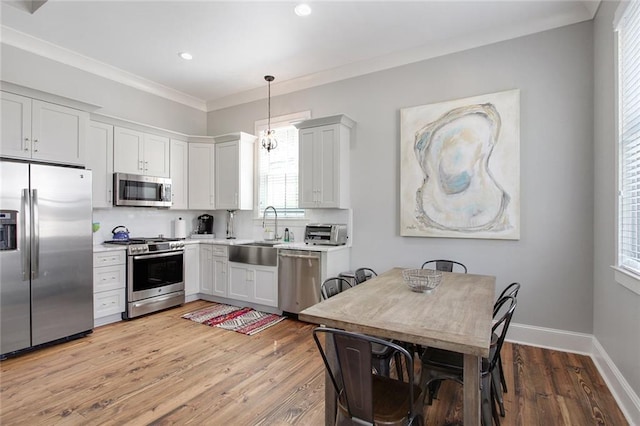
pixel 303 9
pixel 186 56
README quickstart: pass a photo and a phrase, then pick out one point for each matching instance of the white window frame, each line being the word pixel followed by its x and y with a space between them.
pixel 259 127
pixel 626 275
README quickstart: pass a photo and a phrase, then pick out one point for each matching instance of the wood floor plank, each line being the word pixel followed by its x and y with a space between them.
pixel 165 370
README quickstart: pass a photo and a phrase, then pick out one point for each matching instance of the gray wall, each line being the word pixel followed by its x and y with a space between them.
pixel 616 309
pixel 554 71
pixel 36 72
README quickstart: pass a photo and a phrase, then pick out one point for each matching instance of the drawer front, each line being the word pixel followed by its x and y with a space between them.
pixel 220 250
pixel 108 258
pixel 108 278
pixel 108 303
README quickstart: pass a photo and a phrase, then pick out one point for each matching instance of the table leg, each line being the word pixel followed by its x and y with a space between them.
pixel 471 389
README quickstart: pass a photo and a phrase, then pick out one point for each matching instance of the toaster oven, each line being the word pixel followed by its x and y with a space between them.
pixel 326 234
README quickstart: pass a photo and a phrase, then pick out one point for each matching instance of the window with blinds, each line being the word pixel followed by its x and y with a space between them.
pixel 629 138
pixel 277 184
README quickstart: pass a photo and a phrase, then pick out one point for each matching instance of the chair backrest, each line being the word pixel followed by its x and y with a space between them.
pixel 352 375
pixel 511 290
pixel 360 275
pixel 503 309
pixel 332 286
pixel 444 265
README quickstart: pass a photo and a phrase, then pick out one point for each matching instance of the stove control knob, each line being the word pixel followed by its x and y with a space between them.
pixel 181 244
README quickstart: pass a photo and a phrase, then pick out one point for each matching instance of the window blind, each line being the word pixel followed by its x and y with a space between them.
pixel 278 174
pixel 629 138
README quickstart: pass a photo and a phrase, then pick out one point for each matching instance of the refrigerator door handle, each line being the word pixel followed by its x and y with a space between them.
pixel 25 237
pixel 35 236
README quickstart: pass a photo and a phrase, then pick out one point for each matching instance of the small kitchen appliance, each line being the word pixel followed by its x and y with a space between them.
pixel 141 191
pixel 326 234
pixel 205 224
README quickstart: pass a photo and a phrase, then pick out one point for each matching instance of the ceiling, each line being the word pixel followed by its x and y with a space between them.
pixel 235 43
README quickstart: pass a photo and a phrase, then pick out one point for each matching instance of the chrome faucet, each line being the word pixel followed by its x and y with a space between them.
pixel 264 215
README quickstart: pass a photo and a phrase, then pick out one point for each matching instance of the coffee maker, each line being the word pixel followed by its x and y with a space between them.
pixel 205 224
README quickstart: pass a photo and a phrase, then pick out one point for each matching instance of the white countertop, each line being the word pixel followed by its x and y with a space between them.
pixel 216 241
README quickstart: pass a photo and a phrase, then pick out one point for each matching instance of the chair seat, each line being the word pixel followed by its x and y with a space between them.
pixel 390 401
pixel 450 361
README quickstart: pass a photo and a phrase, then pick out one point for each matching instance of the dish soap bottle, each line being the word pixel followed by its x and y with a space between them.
pixel 286 235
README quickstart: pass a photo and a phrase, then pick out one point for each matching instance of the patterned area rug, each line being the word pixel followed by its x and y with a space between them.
pixel 243 320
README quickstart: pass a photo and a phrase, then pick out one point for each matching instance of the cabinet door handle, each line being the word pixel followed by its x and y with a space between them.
pixel 140 165
pixel 146 166
pixel 108 196
pixel 26 144
pixel 35 141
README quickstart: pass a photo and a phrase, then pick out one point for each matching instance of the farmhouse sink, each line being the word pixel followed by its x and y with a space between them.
pixel 258 253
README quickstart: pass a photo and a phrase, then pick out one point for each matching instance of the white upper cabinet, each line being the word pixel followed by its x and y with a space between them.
pixel 140 153
pixel 179 174
pixel 324 162
pixel 33 129
pixel 234 171
pixel 201 176
pixel 100 161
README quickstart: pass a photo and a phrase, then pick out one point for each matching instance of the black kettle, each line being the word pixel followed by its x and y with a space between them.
pixel 120 233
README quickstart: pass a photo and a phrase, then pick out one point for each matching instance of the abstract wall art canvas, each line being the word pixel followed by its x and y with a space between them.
pixel 460 168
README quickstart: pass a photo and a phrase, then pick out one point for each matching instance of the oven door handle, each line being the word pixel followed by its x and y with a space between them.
pixel 153 256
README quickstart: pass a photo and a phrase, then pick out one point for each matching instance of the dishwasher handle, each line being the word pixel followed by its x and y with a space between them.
pixel 300 256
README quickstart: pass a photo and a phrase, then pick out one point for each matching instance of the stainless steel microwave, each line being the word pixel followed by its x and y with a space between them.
pixel 141 191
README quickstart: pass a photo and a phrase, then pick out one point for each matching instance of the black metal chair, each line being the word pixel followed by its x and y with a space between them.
pixel 440 364
pixel 364 397
pixel 444 265
pixel 332 286
pixel 499 381
pixel 361 275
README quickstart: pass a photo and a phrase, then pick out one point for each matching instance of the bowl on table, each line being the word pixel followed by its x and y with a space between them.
pixel 422 280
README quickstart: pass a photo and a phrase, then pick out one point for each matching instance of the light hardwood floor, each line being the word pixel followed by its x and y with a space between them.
pixel 164 370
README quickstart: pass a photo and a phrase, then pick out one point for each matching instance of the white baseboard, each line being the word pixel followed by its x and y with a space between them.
pixel 585 344
pixel 627 399
pixel 550 338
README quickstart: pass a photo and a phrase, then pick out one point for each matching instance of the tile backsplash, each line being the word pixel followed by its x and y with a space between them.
pixel 152 222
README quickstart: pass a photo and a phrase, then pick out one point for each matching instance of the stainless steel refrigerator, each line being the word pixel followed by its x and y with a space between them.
pixel 46 258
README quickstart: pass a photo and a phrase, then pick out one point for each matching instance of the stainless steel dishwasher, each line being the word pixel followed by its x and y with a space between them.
pixel 298 279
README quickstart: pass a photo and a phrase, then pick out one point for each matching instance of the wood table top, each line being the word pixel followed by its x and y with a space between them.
pixel 456 316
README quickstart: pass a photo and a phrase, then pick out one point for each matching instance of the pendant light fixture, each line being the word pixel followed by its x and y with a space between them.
pixel 269 141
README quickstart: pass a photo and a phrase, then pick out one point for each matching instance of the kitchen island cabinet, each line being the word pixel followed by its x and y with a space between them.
pixel 38 130
pixel 324 162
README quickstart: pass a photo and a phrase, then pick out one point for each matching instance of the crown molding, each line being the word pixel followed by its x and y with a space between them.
pixel 43 48
pixel 56 53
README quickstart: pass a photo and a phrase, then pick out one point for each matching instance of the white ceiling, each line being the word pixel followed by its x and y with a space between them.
pixel 235 43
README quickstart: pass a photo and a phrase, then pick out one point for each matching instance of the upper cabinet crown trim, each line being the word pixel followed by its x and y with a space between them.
pixel 229 137
pixel 323 121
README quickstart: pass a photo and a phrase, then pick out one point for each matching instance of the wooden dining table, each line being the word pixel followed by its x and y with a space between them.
pixel 456 316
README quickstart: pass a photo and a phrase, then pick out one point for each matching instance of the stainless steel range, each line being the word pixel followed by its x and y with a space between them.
pixel 155 274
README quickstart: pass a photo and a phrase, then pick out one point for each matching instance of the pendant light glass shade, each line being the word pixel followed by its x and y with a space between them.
pixel 269 140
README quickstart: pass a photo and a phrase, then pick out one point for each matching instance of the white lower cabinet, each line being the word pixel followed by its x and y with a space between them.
pixel 213 269
pixel 206 269
pixel 191 270
pixel 109 287
pixel 253 283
